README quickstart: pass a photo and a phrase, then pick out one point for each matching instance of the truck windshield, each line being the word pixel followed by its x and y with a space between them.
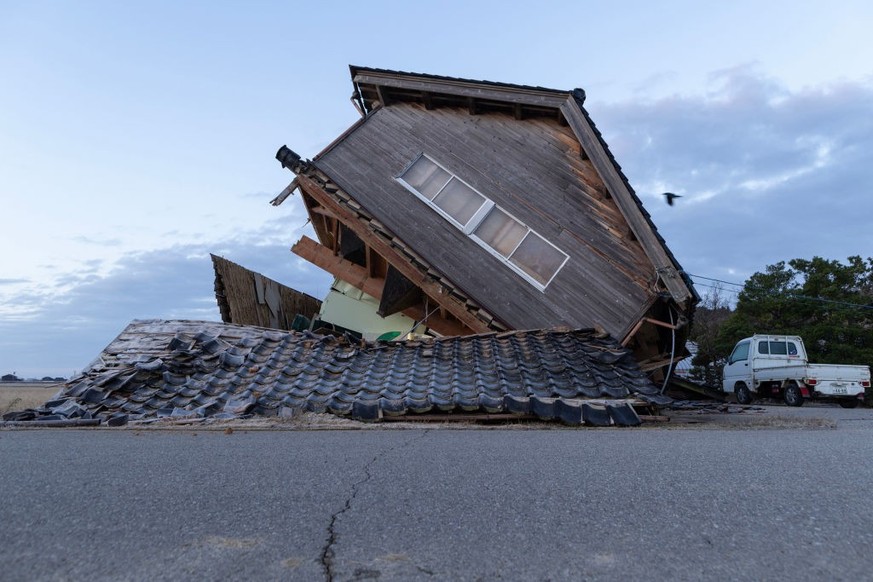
pixel 741 352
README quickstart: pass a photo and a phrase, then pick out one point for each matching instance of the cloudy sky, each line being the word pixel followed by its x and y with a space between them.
pixel 138 137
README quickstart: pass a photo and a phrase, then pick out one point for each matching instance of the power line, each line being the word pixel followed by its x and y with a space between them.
pixel 823 300
pixel 716 280
pixel 788 295
pixel 734 291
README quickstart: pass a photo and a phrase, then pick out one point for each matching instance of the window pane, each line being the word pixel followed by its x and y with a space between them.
pixel 538 258
pixel 762 347
pixel 792 349
pixel 501 232
pixel 778 348
pixel 426 177
pixel 459 201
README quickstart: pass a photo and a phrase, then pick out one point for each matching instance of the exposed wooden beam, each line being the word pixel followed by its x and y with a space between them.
pixel 288 191
pixel 357 276
pixel 430 287
pixel 383 97
pixel 471 105
pixel 661 323
pixel 325 223
pixel 368 253
pixel 519 113
pixel 630 335
pixel 321 210
pixel 321 256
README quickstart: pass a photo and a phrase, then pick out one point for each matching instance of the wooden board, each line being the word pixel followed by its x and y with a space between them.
pixel 534 170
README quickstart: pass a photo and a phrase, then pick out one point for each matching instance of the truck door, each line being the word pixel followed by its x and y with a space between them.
pixel 737 368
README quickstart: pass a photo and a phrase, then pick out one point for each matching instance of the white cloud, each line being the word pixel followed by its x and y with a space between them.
pixel 60 328
pixel 766 173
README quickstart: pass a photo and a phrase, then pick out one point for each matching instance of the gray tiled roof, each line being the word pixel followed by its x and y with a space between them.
pixel 158 368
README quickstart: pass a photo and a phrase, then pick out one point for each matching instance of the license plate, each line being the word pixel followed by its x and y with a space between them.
pixel 840 390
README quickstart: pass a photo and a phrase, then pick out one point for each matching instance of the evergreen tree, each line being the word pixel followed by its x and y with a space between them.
pixel 828 303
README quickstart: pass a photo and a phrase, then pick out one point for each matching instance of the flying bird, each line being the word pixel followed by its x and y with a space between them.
pixel 670 196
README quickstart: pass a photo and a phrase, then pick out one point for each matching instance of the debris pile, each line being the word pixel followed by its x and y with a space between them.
pixel 195 369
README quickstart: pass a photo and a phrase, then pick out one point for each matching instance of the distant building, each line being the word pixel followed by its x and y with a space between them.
pixel 683 367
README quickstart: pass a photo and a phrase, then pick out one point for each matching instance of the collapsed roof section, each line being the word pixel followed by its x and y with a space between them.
pixel 487 206
pixel 185 369
pixel 248 298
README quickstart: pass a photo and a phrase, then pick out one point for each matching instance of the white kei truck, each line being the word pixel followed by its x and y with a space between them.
pixel 776 366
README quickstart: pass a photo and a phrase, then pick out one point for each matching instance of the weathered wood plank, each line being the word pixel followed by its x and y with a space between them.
pixel 288 191
pixel 242 297
pixel 641 227
pixel 527 186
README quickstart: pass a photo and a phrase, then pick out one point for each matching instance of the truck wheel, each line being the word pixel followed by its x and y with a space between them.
pixel 792 395
pixel 853 403
pixel 744 396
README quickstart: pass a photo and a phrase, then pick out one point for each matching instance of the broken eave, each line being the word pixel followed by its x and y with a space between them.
pixel 378 87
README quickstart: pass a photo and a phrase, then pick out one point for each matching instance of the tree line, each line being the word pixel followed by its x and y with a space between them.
pixel 827 302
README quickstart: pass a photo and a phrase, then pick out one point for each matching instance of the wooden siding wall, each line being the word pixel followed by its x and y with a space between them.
pixel 531 168
pixel 248 298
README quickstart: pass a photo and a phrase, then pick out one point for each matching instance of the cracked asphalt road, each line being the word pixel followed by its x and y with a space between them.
pixel 437 504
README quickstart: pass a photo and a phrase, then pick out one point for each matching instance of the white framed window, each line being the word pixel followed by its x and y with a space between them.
pixel 507 238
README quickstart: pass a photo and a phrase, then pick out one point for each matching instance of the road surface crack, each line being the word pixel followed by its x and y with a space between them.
pixel 327 552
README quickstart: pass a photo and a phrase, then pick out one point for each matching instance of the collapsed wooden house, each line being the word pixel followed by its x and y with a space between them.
pixel 472 206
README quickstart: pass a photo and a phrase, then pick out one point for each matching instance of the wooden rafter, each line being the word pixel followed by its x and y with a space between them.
pixel 383 97
pixel 288 191
pixel 368 253
pixel 322 211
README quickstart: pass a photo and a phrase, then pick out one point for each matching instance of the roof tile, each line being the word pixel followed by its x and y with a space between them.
pixel 212 369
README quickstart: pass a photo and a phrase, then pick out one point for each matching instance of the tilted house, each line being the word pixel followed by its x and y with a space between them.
pixel 480 206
